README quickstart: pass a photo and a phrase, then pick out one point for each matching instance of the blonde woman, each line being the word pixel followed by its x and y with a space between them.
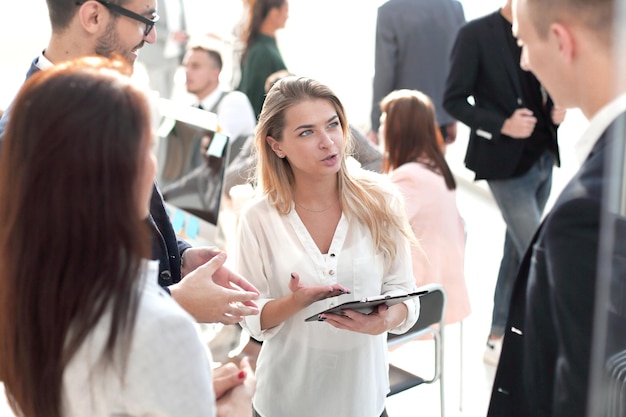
pixel 319 234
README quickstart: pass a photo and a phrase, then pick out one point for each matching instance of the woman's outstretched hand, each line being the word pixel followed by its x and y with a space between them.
pixel 307 295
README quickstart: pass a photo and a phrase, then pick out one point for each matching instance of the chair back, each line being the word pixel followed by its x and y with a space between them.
pixel 432 308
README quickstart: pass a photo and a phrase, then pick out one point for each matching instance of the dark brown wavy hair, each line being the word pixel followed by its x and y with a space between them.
pixel 411 133
pixel 71 238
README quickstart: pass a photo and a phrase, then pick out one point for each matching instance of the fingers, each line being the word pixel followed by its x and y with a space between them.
pixel 333 291
pixel 523 112
pixel 213 264
pixel 241 282
pixel 245 365
pixel 243 300
pixel 227 377
pixel 294 282
pixel 225 371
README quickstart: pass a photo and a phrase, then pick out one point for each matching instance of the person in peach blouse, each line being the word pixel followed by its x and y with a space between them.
pixel 414 160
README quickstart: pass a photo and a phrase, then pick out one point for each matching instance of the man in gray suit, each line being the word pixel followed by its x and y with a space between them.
pixel 164 57
pixel 413 43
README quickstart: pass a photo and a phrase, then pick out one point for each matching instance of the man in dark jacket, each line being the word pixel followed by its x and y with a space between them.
pixel 574 274
pixel 122 27
pixel 513 140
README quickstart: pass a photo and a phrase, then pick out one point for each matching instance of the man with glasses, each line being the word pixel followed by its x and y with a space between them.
pixel 107 27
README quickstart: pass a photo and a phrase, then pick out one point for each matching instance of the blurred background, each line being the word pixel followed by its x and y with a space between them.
pixel 333 41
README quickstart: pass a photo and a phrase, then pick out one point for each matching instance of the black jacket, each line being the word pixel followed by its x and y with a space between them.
pixel 544 366
pixel 484 67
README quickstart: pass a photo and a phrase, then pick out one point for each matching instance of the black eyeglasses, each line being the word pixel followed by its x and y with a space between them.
pixel 125 12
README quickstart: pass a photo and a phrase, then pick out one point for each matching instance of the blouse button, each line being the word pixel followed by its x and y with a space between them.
pixel 331 272
pixel 332 255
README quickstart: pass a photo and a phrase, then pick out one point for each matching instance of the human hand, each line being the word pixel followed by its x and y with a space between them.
pixel 558 115
pixel 195 257
pixel 180 36
pixel 227 377
pixel 209 302
pixel 237 402
pixel 373 323
pixel 451 130
pixel 520 125
pixel 307 295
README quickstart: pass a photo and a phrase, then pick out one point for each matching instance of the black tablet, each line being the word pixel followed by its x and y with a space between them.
pixel 368 304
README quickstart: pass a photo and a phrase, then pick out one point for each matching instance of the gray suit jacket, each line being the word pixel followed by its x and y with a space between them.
pixel 413 43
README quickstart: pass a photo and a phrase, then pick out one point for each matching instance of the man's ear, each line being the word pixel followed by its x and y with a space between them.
pixel 564 40
pixel 91 16
pixel 275 146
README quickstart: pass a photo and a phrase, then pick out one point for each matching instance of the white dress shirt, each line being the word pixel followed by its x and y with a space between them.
pixel 235 114
pixel 168 370
pixel 311 369
pixel 597 125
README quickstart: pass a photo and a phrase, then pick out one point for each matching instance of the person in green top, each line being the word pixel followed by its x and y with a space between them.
pixel 261 56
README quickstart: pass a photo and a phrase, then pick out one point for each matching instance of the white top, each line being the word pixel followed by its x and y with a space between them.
pixel 168 370
pixel 597 125
pixel 311 369
pixel 235 114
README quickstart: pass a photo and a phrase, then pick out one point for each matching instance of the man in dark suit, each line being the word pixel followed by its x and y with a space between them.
pixel 413 43
pixel 122 27
pixel 512 144
pixel 546 359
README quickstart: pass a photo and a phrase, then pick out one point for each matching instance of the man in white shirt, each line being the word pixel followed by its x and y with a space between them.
pixel 235 116
pixel 552 358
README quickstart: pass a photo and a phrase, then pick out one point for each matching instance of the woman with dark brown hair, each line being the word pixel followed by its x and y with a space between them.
pixel 85 329
pixel 261 56
pixel 416 164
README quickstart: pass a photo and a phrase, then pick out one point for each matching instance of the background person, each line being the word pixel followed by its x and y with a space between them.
pixel 235 115
pixel 417 165
pixel 512 144
pixel 317 230
pixel 413 43
pixel 261 56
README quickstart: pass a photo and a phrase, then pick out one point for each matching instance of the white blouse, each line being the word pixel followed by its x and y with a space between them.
pixel 312 369
pixel 168 370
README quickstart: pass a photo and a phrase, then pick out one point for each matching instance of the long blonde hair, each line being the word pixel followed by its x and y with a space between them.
pixel 365 195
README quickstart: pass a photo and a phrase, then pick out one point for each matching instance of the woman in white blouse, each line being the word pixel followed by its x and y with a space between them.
pixel 85 329
pixel 416 164
pixel 320 233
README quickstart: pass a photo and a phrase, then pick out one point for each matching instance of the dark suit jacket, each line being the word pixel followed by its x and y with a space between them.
pixel 166 247
pixel 484 67
pixel 545 361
